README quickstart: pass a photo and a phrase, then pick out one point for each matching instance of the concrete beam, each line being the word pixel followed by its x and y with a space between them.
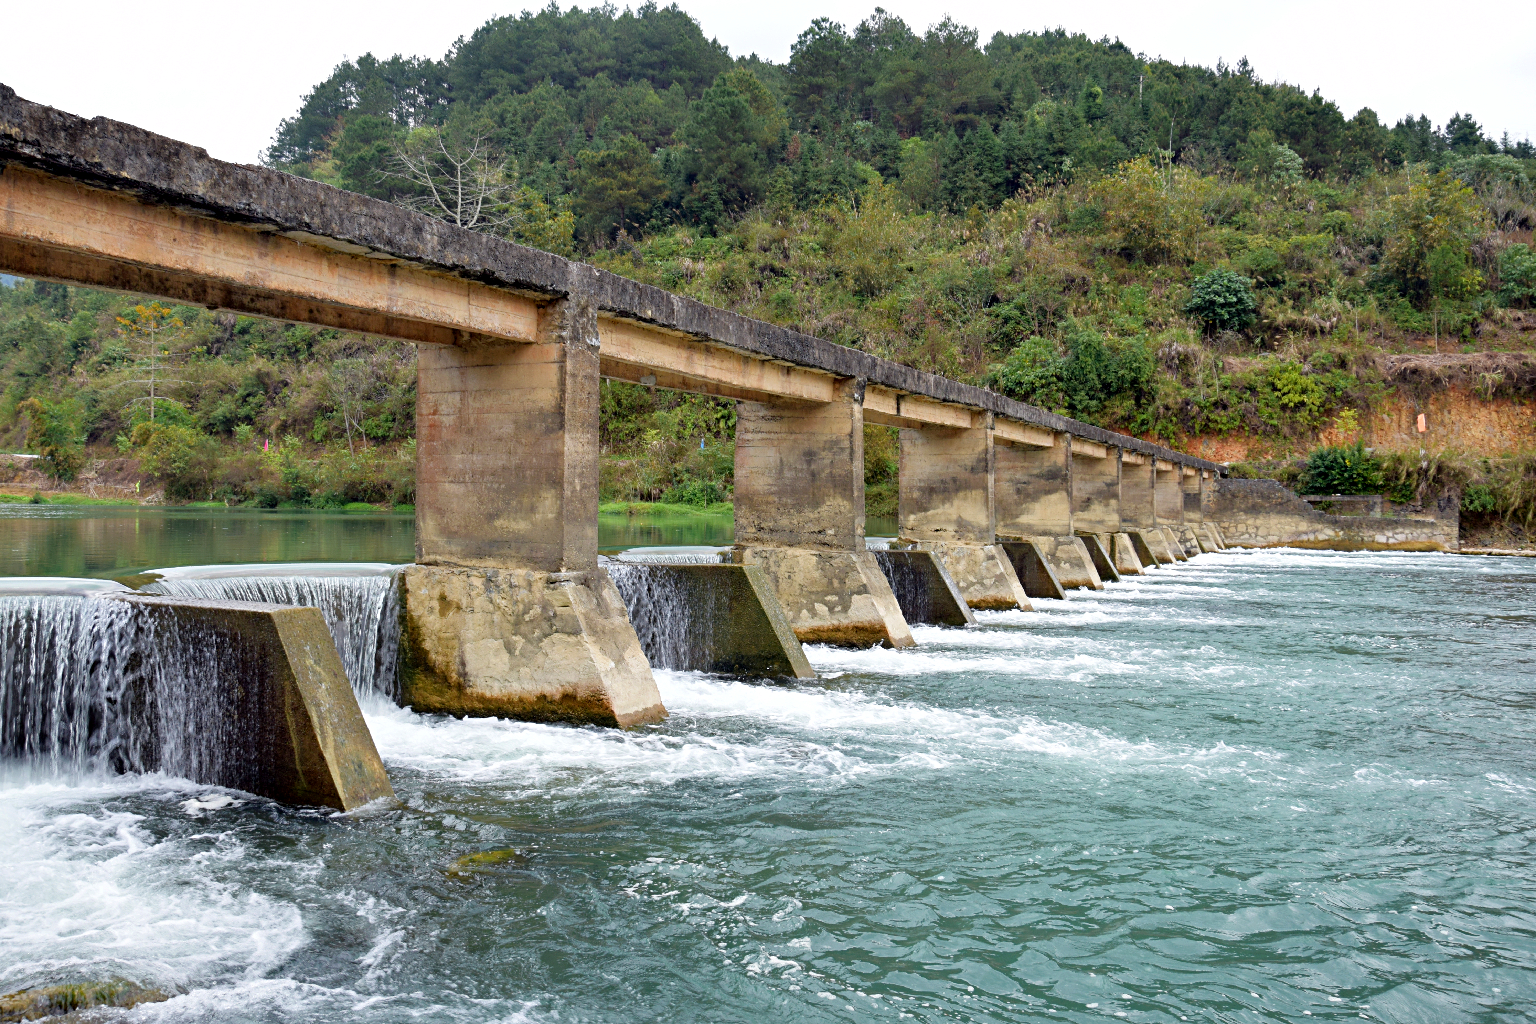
pixel 1011 432
pixel 643 354
pixel 64 231
pixel 894 409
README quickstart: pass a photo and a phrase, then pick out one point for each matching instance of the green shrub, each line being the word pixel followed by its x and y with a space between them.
pixel 1517 276
pixel 1350 470
pixel 53 431
pixel 1223 301
pixel 698 493
pixel 1478 500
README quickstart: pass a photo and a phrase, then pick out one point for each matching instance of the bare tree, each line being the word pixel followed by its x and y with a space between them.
pixel 351 385
pixel 457 178
pixel 151 332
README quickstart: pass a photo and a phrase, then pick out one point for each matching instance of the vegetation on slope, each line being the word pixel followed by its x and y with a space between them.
pixel 1163 249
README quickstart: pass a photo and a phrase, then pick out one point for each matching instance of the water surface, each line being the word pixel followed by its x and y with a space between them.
pixel 1251 787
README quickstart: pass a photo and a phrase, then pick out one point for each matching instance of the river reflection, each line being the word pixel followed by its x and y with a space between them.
pixel 107 541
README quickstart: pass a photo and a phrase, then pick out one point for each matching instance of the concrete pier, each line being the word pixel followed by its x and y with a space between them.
pixel 507 612
pixel 800 516
pixel 946 505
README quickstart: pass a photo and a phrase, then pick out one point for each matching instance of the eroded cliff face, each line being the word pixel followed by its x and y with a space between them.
pixel 1456 419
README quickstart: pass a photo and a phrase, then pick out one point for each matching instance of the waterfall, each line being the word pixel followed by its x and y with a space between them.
pixel 909 582
pixel 362 612
pixel 88 683
pixel 673 615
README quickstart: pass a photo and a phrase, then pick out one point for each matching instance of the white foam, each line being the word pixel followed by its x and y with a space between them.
pixel 83 883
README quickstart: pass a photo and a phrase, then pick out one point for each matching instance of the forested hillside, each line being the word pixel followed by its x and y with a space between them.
pixel 1175 251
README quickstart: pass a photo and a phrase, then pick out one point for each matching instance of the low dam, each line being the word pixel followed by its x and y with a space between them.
pixel 1098 732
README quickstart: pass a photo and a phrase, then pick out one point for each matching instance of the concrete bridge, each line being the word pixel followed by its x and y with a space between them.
pixel 507 609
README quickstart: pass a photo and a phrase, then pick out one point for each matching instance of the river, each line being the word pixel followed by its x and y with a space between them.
pixel 1258 786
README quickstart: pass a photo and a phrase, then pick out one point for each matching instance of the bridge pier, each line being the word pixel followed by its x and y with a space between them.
pixel 1138 510
pixel 946 505
pixel 1168 498
pixel 1096 503
pixel 507 611
pixel 1034 504
pixel 800 516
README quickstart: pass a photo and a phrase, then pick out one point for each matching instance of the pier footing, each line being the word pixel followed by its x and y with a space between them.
pixel 539 646
pixel 984 574
pixel 1123 550
pixel 831 596
pixel 1034 569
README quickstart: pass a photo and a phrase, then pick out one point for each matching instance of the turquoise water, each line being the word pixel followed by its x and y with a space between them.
pixel 1252 787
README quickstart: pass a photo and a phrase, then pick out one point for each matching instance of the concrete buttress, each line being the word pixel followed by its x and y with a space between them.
pixel 800 516
pixel 507 611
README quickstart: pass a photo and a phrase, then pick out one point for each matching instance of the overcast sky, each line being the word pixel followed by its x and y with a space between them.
pixel 222 75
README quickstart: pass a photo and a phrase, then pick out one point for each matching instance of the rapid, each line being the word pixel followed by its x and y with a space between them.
pixel 1257 786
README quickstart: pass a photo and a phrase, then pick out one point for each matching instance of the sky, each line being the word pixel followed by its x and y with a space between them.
pixel 222 75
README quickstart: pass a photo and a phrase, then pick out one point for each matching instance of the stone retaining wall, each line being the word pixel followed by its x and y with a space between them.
pixel 1266 514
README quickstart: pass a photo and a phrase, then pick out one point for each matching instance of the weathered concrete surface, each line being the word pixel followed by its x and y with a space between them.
pixel 1205 539
pixel 540 646
pixel 1168 492
pixel 800 473
pixel 1098 553
pixel 1175 546
pixel 831 597
pixel 1213 535
pixel 1070 561
pixel 800 515
pixel 1127 562
pixel 924 588
pixel 1151 547
pixel 358 237
pixel 1095 489
pixel 1193 485
pixel 507 448
pixel 711 618
pixel 1034 569
pixel 945 486
pixel 1033 490
pixel 984 574
pixel 1138 506
pixel 1264 513
pixel 278 718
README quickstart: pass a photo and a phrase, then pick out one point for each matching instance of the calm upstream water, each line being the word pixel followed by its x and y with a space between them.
pixel 1255 787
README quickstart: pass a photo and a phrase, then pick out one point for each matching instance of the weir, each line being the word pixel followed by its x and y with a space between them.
pixel 709 617
pixel 507 610
pixel 249 696
pixel 359 602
